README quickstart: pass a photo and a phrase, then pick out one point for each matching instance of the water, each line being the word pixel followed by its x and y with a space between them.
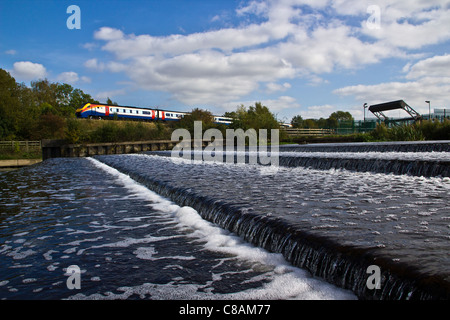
pixel 400 222
pixel 129 242
pixel 224 231
pixel 428 164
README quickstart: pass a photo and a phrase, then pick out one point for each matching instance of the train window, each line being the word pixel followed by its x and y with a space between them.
pixel 131 111
pixel 137 111
pixel 124 110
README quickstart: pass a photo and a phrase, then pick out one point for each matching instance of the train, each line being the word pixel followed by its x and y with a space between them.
pixel 104 111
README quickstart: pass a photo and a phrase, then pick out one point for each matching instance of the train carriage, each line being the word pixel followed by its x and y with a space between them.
pixel 103 111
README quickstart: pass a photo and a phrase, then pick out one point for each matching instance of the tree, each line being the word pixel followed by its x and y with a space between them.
pixel 339 116
pixel 109 102
pixel 255 117
pixel 297 121
pixel 188 121
pixel 27 113
pixel 9 105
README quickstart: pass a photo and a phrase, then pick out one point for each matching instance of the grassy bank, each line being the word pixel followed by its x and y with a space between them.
pixel 11 155
pixel 85 131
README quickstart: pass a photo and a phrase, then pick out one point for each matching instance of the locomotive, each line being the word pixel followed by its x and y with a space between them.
pixel 103 111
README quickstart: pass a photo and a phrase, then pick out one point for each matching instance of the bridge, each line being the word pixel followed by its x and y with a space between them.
pixel 379 109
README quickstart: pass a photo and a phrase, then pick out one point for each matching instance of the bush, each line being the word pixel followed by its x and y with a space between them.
pixel 435 130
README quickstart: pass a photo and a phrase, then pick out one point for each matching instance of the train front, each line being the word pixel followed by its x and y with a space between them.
pixel 81 112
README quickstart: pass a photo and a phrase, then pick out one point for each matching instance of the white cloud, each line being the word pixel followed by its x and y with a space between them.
pixel 68 77
pixel 93 64
pixel 11 52
pixel 292 41
pixel 428 79
pixel 437 66
pixel 107 34
pixel 27 70
pixel 103 95
pixel 282 103
pixel 275 87
pixel 413 92
pixel 86 79
pixel 317 112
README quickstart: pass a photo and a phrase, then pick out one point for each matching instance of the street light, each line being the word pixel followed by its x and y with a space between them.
pixel 429 109
pixel 365 106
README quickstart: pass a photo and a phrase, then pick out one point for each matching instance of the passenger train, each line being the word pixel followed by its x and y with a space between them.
pixel 103 111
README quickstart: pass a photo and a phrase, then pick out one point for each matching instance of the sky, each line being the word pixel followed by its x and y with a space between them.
pixel 297 57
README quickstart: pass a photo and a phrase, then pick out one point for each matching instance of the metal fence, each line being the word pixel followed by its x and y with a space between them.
pixel 17 146
pixel 308 132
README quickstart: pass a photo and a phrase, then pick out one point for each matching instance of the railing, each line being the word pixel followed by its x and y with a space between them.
pixel 308 132
pixel 16 146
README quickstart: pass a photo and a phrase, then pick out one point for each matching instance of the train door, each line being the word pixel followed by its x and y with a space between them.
pixel 106 111
pixel 153 114
pixel 163 115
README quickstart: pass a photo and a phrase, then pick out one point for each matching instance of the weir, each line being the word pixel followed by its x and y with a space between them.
pixel 394 164
pixel 340 263
pixel 402 146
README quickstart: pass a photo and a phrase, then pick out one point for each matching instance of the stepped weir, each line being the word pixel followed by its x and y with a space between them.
pixel 333 223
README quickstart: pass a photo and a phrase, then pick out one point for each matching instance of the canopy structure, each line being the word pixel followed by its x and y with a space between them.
pixel 378 109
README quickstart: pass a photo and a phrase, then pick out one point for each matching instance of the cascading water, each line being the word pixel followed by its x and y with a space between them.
pixel 432 164
pixel 333 224
pixel 403 146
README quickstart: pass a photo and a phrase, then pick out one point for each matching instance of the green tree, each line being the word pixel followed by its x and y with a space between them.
pixel 297 121
pixel 255 117
pixel 10 105
pixel 339 116
pixel 188 121
pixel 109 102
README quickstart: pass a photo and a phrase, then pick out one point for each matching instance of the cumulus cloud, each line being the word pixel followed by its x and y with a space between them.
pixel 275 87
pixel 68 77
pixel 104 95
pixel 107 34
pixel 27 70
pixel 292 39
pixel 437 66
pixel 413 92
pixel 71 77
pixel 427 78
pixel 318 111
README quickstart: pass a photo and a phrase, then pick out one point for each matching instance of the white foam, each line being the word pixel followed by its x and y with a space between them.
pixel 287 282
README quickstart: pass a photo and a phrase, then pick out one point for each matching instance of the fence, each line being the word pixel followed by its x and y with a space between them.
pixel 16 146
pixel 308 132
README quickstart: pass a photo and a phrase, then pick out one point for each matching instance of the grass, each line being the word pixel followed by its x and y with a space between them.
pixel 10 155
pixel 85 131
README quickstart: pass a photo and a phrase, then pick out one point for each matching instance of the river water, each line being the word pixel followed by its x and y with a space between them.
pixel 129 243
pixel 222 231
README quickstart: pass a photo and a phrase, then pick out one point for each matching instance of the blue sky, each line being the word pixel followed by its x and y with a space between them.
pixel 296 56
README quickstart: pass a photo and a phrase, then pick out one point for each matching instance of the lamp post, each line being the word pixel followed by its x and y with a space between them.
pixel 429 109
pixel 365 106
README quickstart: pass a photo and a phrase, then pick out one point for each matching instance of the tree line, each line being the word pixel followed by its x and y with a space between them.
pixel 46 110
pixel 331 122
pixel 39 111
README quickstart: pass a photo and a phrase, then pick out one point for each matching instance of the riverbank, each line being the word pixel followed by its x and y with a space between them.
pixel 17 163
